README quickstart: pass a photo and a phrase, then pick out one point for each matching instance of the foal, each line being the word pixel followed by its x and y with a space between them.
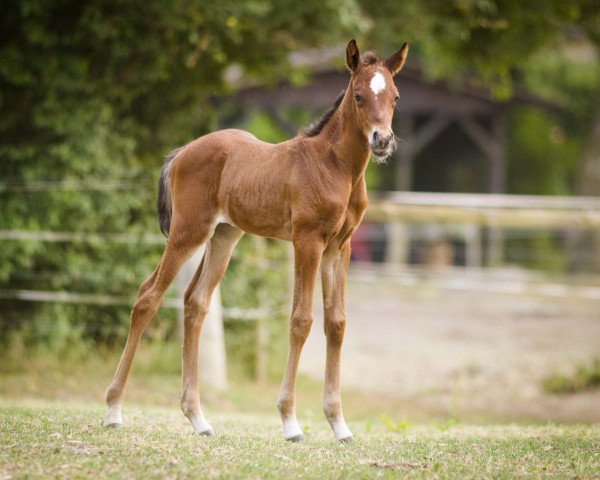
pixel 309 190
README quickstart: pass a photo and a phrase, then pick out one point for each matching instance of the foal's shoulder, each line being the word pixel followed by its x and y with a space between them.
pixel 234 133
pixel 242 137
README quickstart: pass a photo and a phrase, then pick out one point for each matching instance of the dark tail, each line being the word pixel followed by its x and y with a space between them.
pixel 163 202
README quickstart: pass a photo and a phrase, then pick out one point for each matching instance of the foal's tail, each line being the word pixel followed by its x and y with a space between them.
pixel 163 202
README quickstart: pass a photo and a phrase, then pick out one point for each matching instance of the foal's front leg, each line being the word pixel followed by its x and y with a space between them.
pixel 333 278
pixel 307 251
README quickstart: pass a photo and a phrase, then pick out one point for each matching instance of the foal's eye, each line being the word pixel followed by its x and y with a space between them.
pixel 357 98
pixel 396 98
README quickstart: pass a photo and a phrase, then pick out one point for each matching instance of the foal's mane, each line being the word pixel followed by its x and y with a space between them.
pixel 369 58
pixel 315 128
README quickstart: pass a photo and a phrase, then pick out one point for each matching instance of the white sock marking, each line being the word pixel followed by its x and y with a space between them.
pixel 340 429
pixel 377 83
pixel 200 423
pixel 113 416
pixel 291 428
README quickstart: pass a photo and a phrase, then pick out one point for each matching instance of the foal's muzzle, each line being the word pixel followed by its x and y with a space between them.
pixel 382 146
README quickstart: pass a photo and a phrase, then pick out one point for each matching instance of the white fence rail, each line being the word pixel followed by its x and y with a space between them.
pixel 488 210
pixel 467 215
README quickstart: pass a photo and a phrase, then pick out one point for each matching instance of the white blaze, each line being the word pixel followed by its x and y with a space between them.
pixel 377 83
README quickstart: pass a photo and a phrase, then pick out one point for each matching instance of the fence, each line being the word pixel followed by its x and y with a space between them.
pixel 212 353
pixel 483 224
pixel 471 218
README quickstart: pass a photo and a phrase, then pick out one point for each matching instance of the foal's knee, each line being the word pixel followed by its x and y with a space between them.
pixel 145 306
pixel 195 309
pixel 300 326
pixel 334 328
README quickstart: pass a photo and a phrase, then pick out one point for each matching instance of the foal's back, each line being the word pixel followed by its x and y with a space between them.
pixel 230 176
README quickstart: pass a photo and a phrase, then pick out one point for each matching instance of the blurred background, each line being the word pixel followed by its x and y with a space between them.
pixel 474 290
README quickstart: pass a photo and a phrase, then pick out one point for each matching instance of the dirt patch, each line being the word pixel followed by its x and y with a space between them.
pixel 463 352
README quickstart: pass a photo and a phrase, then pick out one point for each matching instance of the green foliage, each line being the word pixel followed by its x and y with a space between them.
pixel 33 346
pixel 92 94
pixel 391 425
pixel 492 39
pixel 585 377
pixel 542 155
pixel 541 251
pixel 263 127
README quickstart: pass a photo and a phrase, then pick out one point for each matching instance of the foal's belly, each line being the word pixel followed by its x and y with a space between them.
pixel 266 222
pixel 256 202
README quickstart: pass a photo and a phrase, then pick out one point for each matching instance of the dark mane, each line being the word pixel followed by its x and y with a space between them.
pixel 315 128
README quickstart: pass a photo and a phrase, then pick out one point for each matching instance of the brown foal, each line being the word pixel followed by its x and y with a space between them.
pixel 309 190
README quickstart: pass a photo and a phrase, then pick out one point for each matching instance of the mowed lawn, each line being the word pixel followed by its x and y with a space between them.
pixel 49 439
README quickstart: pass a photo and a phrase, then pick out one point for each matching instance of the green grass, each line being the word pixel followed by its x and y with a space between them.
pixel 585 377
pixel 53 440
pixel 155 380
pixel 51 410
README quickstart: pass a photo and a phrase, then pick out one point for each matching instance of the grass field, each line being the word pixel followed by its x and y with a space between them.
pixel 51 411
pixel 53 440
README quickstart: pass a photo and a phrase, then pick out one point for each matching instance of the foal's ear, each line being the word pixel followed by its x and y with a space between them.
pixel 353 56
pixel 396 60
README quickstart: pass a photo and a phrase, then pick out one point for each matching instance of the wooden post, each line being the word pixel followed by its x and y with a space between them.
pixel 497 183
pixel 473 253
pixel 396 252
pixel 493 145
pixel 412 142
pixel 212 363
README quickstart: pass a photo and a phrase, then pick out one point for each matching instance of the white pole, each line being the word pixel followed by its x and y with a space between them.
pixel 212 364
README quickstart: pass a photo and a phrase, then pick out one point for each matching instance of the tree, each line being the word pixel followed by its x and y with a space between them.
pixel 92 94
pixel 495 41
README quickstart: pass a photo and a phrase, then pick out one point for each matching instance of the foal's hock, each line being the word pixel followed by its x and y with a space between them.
pixel 309 190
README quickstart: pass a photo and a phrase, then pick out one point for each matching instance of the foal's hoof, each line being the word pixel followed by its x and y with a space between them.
pixel 349 439
pixel 296 438
pixel 207 433
pixel 106 424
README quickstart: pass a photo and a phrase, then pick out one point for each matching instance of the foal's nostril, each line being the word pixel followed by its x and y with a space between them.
pixel 382 144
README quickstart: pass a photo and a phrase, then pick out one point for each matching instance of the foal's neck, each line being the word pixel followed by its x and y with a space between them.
pixel 346 138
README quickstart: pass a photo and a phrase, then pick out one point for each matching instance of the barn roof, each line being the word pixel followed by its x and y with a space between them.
pixel 418 95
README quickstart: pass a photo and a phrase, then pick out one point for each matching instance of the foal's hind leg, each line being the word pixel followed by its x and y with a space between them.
pixel 333 278
pixel 179 247
pixel 197 301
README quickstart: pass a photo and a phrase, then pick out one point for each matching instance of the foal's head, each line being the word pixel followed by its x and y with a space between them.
pixel 375 95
